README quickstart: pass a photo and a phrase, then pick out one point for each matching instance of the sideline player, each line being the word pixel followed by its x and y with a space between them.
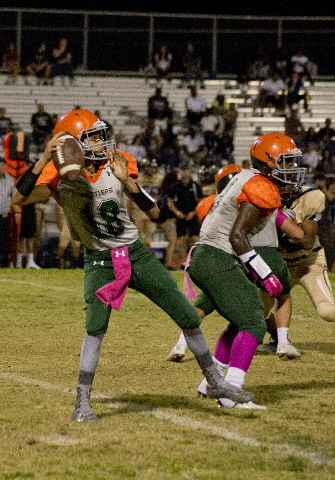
pixel 95 206
pixel 307 266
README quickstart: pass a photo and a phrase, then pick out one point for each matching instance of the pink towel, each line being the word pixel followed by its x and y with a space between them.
pixel 112 294
pixel 188 289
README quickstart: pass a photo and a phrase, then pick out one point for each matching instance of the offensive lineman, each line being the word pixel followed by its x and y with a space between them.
pixel 95 206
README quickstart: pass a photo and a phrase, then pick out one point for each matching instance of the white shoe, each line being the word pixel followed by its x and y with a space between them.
pixel 177 353
pixel 227 403
pixel 202 389
pixel 33 265
pixel 287 350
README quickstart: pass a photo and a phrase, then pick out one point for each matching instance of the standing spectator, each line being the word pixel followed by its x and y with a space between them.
pixel 61 61
pixel 193 148
pixel 230 117
pixel 192 64
pixel 7 189
pixel 294 128
pixel 183 200
pixel 5 124
pixel 273 92
pixel 40 65
pixel 210 126
pixel 294 95
pixel 220 104
pixel 170 147
pixel 152 141
pixel 195 106
pixel 42 127
pixel 300 65
pixel 326 222
pixel 158 106
pixel 162 62
pixel 325 136
pixel 11 62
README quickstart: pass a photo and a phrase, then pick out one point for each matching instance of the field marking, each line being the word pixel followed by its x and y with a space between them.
pixel 315 458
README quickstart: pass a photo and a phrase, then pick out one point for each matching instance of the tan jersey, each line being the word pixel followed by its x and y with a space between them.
pixel 307 207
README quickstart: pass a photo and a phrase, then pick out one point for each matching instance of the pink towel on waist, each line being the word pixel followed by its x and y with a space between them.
pixel 112 294
pixel 188 289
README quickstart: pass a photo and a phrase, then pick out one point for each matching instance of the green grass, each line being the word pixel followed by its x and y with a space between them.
pixel 152 424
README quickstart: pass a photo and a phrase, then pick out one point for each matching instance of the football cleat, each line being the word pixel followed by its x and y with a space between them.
pixel 227 403
pixel 177 353
pixel 219 388
pixel 267 348
pixel 83 412
pixel 287 350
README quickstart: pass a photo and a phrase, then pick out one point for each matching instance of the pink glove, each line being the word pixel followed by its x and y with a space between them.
pixel 272 285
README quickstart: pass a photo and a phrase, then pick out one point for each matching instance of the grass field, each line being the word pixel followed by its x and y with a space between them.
pixel 152 424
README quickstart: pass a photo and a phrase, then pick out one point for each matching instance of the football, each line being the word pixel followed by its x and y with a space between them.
pixel 69 158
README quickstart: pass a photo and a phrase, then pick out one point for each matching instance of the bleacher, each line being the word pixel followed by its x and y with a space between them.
pixel 122 101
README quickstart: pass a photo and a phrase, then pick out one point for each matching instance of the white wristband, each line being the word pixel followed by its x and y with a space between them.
pixel 247 256
pixel 260 267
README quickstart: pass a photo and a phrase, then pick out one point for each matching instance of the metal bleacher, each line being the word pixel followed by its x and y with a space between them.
pixel 122 101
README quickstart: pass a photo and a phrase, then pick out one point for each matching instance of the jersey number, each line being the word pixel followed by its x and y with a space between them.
pixel 108 223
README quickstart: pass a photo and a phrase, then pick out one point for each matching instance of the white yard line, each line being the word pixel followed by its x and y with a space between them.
pixel 315 458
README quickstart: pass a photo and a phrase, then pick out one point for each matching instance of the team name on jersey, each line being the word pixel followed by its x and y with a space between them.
pixel 100 193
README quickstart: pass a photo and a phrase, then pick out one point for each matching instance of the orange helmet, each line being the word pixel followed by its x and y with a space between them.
pixel 82 124
pixel 276 156
pixel 224 175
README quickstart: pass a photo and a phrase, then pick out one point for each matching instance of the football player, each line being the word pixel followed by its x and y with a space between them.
pixel 240 338
pixel 95 205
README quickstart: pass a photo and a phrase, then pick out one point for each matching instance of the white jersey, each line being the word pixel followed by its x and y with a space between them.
pixel 218 223
pixel 96 211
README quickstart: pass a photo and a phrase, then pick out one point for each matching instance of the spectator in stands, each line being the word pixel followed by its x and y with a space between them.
pixel 294 127
pixel 259 67
pixel 326 164
pixel 211 126
pixel 300 64
pixel 152 142
pixel 61 61
pixel 193 148
pixel 42 126
pixel 195 106
pixel 311 157
pixel 163 63
pixel 137 149
pixel 230 119
pixel 158 106
pixel 311 137
pixel 273 92
pixel 326 222
pixel 294 95
pixel 40 65
pixel 192 65
pixel 11 62
pixel 280 63
pixel 325 136
pixel 220 104
pixel 170 146
pixel 7 190
pixel 183 200
pixel 225 148
pixel 5 123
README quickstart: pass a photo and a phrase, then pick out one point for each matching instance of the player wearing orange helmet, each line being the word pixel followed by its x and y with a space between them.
pixel 95 205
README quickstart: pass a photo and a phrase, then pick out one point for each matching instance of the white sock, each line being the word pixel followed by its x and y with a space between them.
pixel 235 376
pixel 19 260
pixel 182 342
pixel 282 334
pixel 30 258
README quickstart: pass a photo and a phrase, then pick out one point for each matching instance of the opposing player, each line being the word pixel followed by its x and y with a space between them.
pixel 306 263
pixel 95 206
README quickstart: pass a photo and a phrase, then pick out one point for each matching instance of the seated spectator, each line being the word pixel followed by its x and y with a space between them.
pixel 272 93
pixel 193 148
pixel 259 67
pixel 294 128
pixel 40 66
pixel 11 62
pixel 5 124
pixel 311 157
pixel 162 62
pixel 137 149
pixel 301 64
pixel 325 135
pixel 230 118
pixel 158 106
pixel 61 61
pixel 192 63
pixel 195 106
pixel 42 127
pixel 294 95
